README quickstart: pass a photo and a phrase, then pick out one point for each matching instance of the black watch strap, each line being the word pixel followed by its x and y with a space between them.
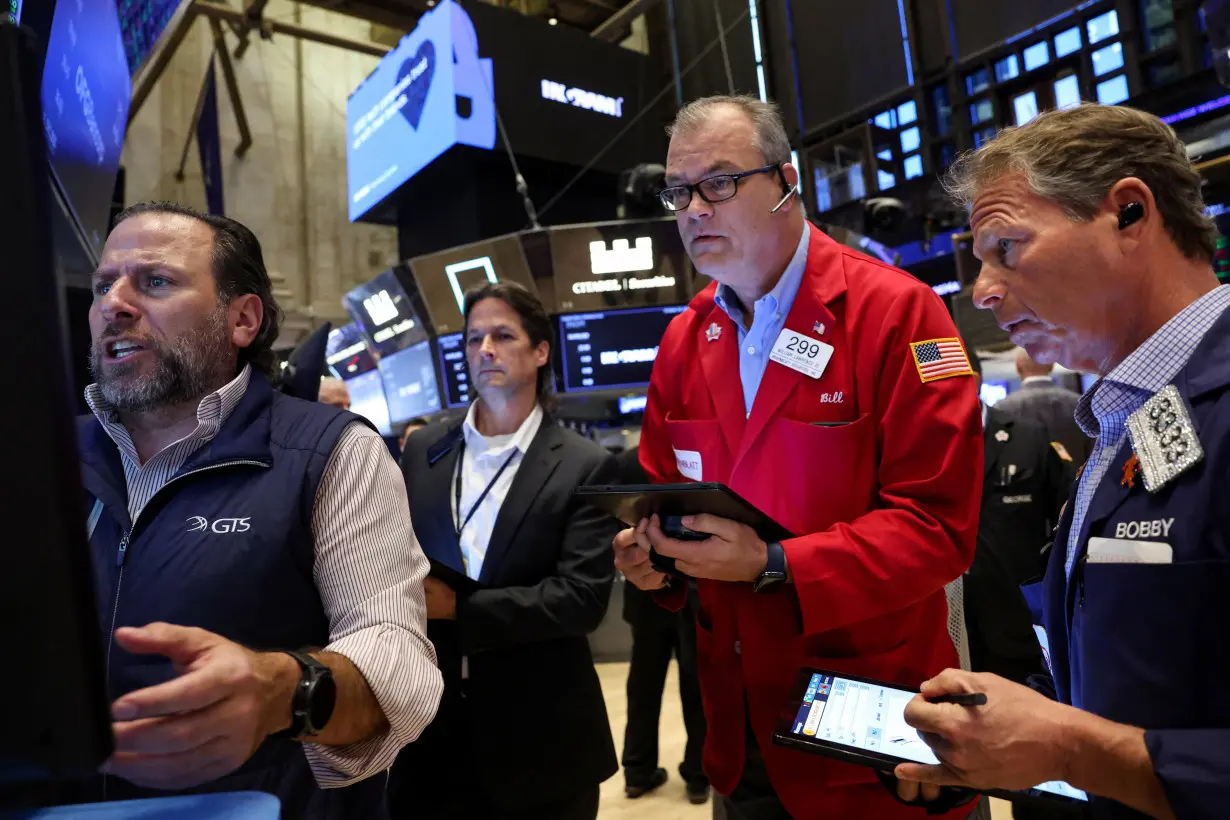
pixel 314 698
pixel 774 574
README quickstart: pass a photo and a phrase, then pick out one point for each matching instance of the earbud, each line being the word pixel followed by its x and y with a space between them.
pixel 791 192
pixel 1130 214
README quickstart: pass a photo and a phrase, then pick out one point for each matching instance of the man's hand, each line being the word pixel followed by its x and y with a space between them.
pixel 632 558
pixel 206 722
pixel 1016 741
pixel 441 600
pixel 733 551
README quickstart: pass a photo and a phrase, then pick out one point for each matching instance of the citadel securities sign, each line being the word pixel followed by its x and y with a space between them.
pixel 431 92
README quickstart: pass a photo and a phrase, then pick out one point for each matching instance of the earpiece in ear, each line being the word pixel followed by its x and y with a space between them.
pixel 1130 214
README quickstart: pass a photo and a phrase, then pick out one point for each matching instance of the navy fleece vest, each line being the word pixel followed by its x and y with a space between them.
pixel 226 545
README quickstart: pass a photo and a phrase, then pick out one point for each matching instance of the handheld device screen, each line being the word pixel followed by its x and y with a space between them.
pixel 869 717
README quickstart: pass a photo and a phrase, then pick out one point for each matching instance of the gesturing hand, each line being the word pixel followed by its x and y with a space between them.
pixel 206 722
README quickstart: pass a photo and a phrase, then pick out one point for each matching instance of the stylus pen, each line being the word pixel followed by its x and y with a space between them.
pixel 973 699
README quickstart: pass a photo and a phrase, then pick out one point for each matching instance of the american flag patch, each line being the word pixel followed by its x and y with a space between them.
pixel 940 359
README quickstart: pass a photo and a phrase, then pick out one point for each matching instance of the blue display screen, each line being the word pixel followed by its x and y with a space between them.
pixel 142 23
pixel 86 91
pixel 410 387
pixel 612 349
pixel 429 93
pixel 455 369
pixel 367 399
pixel 15 10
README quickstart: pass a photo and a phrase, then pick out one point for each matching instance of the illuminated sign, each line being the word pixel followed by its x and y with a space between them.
pixel 590 101
pixel 621 257
pixel 947 288
pixel 482 263
pixel 380 307
pixel 631 283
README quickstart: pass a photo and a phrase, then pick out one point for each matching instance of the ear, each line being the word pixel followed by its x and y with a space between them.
pixel 791 174
pixel 245 314
pixel 542 353
pixel 1131 191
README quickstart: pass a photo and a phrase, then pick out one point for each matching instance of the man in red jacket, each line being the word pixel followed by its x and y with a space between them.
pixel 832 392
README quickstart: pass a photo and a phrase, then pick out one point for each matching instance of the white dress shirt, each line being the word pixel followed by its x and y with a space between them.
pixel 368 568
pixel 483 458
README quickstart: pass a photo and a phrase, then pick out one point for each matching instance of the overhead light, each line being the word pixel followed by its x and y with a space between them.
pixel 431 4
pixel 552 15
pixel 553 21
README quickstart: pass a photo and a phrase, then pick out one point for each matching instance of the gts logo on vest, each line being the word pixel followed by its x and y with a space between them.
pixel 221 526
pixel 1157 528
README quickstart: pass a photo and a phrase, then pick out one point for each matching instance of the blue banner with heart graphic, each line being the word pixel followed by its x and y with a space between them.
pixel 416 105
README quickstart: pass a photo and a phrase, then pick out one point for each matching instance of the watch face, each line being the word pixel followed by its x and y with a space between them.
pixel 321 701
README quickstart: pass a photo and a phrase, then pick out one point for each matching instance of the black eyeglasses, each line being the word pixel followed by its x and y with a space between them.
pixel 713 189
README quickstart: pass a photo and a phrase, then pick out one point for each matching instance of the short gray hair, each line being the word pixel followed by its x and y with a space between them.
pixel 1074 157
pixel 766 119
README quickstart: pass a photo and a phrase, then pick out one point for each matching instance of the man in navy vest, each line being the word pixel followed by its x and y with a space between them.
pixel 258 581
pixel 1097 253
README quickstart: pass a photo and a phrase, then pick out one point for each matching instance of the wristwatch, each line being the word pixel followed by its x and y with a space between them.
pixel 774 574
pixel 315 697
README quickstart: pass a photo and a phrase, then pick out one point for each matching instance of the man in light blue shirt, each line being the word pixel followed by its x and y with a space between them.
pixel 1097 253
pixel 769 314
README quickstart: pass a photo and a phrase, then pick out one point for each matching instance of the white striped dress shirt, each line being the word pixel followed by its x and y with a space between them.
pixel 368 568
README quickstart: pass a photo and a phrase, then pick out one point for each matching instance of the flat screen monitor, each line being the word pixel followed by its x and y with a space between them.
pixel 15 11
pixel 443 278
pixel 86 90
pixel 346 353
pixel 383 313
pixel 612 349
pixel 410 386
pixel 142 22
pixel 367 399
pixel 456 371
pixel 607 265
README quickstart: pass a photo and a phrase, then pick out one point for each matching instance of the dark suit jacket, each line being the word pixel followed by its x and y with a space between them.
pixel 1052 407
pixel 1025 483
pixel 529 724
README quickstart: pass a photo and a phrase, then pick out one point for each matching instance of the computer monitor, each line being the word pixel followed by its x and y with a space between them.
pixel 455 369
pixel 346 354
pixel 58 723
pixel 443 278
pixel 410 385
pixel 612 349
pixel 383 312
pixel 367 400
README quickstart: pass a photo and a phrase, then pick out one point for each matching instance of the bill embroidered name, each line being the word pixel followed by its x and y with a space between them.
pixel 940 359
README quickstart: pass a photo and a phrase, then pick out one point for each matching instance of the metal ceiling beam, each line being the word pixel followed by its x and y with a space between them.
pixel 618 22
pixel 217 11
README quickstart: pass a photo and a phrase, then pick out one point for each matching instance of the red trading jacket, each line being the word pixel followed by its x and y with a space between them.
pixel 889 498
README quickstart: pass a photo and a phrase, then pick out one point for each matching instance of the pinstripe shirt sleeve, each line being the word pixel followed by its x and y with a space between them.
pixel 369 570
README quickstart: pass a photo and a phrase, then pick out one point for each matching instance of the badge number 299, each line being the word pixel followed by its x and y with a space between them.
pixel 798 352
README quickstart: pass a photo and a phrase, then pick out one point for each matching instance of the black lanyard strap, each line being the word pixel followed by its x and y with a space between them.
pixel 461 466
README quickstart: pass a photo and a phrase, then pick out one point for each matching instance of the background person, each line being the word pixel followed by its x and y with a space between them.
pixel 522 730
pixel 1048 404
pixel 334 393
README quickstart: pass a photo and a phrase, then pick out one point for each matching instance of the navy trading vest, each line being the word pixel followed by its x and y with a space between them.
pixel 226 545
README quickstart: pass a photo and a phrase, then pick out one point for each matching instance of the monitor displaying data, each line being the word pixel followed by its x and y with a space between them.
pixel 612 349
pixel 367 399
pixel 86 91
pixel 143 22
pixel 346 352
pixel 455 369
pixel 409 378
pixel 383 313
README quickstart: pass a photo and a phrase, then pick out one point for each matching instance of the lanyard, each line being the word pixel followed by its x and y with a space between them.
pixel 461 463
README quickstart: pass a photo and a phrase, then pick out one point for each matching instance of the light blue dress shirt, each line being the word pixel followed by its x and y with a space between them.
pixel 1104 409
pixel 771 310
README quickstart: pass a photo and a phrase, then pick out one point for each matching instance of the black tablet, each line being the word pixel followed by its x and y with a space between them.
pixel 862 721
pixel 632 502
pixel 455 578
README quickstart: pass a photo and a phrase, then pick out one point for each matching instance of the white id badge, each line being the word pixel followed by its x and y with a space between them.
pixel 689 464
pixel 798 352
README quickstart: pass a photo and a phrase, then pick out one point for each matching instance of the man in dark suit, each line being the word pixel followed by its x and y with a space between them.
pixel 1025 482
pixel 521 573
pixel 1048 405
pixel 657 634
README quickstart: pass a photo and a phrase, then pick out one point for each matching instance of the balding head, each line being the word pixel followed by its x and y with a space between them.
pixel 1028 368
pixel 334 392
